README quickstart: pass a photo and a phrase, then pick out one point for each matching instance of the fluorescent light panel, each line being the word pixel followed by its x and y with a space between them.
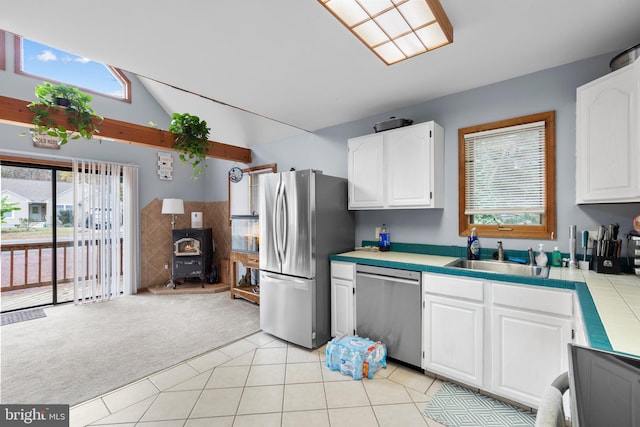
pixel 394 30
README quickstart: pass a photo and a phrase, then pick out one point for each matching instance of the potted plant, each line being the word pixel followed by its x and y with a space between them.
pixel 191 140
pixel 74 104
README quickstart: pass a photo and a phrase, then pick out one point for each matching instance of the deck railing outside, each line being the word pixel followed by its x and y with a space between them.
pixel 29 264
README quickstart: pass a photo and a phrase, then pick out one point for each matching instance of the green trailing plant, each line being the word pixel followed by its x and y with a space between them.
pixel 74 104
pixel 191 140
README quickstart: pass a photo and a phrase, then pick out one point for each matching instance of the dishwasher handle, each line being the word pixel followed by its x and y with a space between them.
pixel 394 279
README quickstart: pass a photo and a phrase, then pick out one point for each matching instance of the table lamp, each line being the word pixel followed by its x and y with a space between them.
pixel 173 207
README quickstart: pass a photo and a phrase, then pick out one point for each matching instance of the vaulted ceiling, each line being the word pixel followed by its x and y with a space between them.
pixel 259 71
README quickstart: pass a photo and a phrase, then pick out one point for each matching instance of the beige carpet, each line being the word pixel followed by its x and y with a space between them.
pixel 79 352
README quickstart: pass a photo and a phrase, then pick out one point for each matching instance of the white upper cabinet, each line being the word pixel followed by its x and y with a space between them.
pixel 366 175
pixel 608 138
pixel 240 197
pixel 244 195
pixel 398 169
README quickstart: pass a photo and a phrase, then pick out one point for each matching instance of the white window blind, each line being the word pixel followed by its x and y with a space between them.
pixel 106 214
pixel 505 170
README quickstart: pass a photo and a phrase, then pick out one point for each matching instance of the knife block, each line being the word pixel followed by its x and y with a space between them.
pixel 603 264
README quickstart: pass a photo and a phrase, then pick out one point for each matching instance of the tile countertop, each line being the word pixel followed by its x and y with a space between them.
pixel 610 303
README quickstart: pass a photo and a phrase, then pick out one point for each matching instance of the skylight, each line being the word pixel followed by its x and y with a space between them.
pixel 55 65
pixel 394 30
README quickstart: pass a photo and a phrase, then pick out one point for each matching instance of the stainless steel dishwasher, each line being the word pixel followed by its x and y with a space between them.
pixel 389 310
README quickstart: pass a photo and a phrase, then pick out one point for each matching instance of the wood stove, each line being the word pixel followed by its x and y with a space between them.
pixel 192 254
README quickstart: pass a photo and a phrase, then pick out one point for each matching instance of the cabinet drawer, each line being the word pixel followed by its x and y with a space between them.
pixel 253 261
pixel 553 301
pixel 457 287
pixel 343 270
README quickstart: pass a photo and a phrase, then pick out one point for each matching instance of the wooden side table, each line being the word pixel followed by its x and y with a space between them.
pixel 249 260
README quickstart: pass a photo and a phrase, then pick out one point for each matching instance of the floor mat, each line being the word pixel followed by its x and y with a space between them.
pixel 455 406
pixel 22 315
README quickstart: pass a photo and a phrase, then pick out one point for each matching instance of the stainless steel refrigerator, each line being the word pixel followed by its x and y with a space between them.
pixel 303 220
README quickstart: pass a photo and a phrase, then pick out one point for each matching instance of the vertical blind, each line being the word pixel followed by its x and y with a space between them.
pixel 105 200
pixel 505 170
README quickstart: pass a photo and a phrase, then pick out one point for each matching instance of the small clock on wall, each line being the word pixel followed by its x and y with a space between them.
pixel 235 174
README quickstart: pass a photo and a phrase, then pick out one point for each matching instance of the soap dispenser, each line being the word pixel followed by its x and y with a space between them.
pixel 384 242
pixel 473 245
pixel 556 257
pixel 541 257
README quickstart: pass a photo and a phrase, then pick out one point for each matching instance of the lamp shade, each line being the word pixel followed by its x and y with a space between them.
pixel 172 206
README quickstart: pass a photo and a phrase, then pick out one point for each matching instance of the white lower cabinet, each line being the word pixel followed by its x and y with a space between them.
pixel 529 351
pixel 453 329
pixel 342 301
pixel 504 338
pixel 530 330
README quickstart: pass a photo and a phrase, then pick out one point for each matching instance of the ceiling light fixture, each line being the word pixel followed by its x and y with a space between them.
pixel 394 30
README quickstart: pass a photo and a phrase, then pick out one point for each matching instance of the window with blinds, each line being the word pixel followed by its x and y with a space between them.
pixel 505 177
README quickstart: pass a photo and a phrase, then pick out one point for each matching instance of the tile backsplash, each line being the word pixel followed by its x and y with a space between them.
pixel 155 231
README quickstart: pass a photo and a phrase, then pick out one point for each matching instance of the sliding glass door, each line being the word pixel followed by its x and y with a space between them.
pixel 36 235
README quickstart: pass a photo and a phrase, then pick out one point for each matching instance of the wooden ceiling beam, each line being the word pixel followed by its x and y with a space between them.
pixel 15 112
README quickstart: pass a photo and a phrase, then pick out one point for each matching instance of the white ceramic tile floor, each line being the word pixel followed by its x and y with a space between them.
pixel 263 381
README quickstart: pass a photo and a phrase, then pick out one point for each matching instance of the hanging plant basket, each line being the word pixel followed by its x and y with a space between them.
pixel 191 140
pixel 54 100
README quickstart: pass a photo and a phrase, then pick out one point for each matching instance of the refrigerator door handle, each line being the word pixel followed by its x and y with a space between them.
pixel 285 217
pixel 275 226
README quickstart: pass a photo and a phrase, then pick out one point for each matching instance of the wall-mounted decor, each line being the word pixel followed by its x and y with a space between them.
pixel 196 219
pixel 165 166
pixel 44 140
pixel 235 174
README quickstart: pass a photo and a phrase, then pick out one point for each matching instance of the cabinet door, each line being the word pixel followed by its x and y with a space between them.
pixel 608 138
pixel 409 161
pixel 240 197
pixel 453 338
pixel 366 173
pixel 341 307
pixel 529 350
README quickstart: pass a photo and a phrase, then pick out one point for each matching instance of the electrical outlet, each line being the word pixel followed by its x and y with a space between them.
pixel 593 234
pixel 166 266
pixel 378 229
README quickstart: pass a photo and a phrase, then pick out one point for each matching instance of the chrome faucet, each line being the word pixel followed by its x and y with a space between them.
pixel 531 257
pixel 500 251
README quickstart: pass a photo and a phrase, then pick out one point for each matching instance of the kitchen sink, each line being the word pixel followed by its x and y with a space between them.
pixel 500 267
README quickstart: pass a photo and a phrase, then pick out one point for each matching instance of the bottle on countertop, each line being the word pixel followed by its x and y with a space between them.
pixel 556 257
pixel 541 257
pixel 473 245
pixel 384 242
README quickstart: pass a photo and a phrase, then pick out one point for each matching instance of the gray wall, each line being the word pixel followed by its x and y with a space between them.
pixel 141 110
pixel 553 89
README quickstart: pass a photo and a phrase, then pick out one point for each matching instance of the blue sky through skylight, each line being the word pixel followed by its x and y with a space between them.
pixel 51 63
